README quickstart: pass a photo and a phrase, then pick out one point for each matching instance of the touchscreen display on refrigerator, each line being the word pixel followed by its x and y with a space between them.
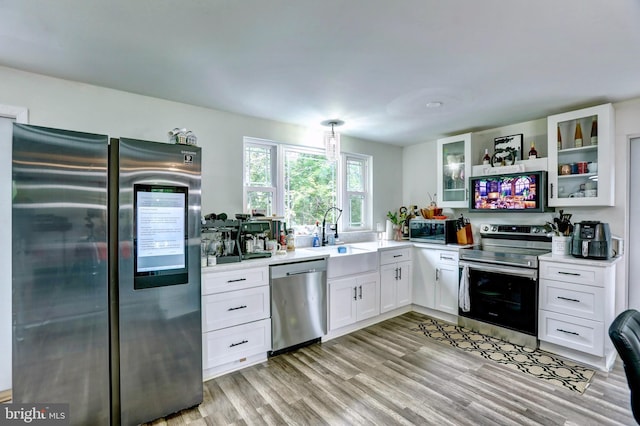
pixel 160 242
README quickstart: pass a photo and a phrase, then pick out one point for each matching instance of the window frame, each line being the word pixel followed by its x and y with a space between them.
pixel 367 213
pixel 278 152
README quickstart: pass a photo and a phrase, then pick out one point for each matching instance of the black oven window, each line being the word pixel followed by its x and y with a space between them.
pixel 505 300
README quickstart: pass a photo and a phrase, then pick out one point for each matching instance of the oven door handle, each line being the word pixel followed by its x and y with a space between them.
pixel 532 274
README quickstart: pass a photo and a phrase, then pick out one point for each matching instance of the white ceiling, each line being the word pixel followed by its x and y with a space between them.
pixel 375 64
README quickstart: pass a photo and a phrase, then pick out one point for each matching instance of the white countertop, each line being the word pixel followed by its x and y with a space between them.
pixel 306 253
pixel 578 260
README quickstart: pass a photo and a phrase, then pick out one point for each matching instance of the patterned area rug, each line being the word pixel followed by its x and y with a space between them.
pixel 534 362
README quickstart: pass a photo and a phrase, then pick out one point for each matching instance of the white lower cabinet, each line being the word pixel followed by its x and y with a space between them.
pixel 395 279
pixel 446 285
pixel 236 319
pixel 353 299
pixel 576 302
pixel 435 279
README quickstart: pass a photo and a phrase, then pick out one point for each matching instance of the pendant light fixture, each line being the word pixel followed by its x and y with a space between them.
pixel 332 139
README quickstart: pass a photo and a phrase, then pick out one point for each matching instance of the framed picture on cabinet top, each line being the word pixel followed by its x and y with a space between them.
pixel 509 143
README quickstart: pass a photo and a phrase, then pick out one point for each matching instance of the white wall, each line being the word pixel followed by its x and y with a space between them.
pixel 419 159
pixel 75 106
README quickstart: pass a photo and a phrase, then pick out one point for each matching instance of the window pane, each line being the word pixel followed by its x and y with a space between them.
pixel 258 166
pixel 355 175
pixel 356 204
pixel 310 189
pixel 260 200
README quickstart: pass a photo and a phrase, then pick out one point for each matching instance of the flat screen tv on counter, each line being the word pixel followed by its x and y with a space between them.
pixel 514 192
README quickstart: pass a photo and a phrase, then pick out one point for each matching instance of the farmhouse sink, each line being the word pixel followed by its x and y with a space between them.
pixel 354 260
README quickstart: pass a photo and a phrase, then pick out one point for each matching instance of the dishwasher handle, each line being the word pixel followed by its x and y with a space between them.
pixel 308 271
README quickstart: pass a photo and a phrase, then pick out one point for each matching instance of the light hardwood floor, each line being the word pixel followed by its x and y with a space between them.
pixel 388 374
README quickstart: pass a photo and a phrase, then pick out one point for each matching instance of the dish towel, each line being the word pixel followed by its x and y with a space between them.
pixel 464 300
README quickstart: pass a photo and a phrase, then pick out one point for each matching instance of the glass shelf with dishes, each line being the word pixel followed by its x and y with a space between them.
pixel 581 162
pixel 454 167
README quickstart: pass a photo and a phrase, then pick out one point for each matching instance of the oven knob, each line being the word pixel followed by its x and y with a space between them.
pixel 494 228
pixel 485 228
pixel 536 230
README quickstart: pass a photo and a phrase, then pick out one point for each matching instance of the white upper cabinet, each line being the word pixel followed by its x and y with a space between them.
pixel 454 169
pixel 581 170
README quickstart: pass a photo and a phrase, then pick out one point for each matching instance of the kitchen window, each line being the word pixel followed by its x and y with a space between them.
pixel 300 184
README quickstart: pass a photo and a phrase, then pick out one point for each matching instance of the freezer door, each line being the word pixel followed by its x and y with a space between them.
pixel 160 331
pixel 59 266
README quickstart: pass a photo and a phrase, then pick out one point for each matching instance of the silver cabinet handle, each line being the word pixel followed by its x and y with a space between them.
pixel 237 307
pixel 397 255
pixel 360 292
pixel 437 274
pixel 446 257
pixel 396 271
pixel 355 293
pixel 235 281
pixel 238 344
pixel 569 273
pixel 400 273
pixel 567 298
pixel 568 332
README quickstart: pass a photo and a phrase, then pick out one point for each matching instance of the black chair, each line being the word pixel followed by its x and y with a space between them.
pixel 625 335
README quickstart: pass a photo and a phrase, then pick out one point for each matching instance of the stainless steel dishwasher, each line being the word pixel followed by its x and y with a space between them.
pixel 298 304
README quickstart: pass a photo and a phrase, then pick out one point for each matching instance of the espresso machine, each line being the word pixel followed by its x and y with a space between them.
pixel 221 239
pixel 253 237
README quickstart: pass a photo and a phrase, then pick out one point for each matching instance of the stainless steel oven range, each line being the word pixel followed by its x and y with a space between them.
pixel 499 280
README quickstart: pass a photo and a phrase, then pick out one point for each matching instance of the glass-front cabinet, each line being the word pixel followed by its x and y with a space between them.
pixel 581 157
pixel 454 168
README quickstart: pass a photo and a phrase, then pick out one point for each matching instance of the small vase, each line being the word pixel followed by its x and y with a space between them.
pixel 397 233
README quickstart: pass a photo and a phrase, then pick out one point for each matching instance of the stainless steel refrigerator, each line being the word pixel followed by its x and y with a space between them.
pixel 106 275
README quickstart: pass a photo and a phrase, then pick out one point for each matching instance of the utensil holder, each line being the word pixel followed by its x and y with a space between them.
pixel 561 245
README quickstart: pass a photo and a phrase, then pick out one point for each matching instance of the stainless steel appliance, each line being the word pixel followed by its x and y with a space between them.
pixel 222 239
pixel 432 231
pixel 253 237
pixel 499 279
pixel 592 239
pixel 298 304
pixel 106 275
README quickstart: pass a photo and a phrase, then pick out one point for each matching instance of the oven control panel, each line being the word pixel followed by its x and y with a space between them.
pixel 512 230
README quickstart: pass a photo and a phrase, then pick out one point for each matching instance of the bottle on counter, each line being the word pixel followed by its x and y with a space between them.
pixel 316 238
pixel 577 139
pixel 533 154
pixel 291 243
pixel 486 159
pixel 594 130
pixel 283 239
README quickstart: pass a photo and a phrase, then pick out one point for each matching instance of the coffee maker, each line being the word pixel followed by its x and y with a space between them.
pixel 592 240
pixel 253 236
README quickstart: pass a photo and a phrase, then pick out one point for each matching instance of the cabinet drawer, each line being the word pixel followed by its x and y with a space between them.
pixel 215 282
pixel 576 333
pixel 572 299
pixel 447 257
pixel 393 256
pixel 580 274
pixel 234 343
pixel 235 307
